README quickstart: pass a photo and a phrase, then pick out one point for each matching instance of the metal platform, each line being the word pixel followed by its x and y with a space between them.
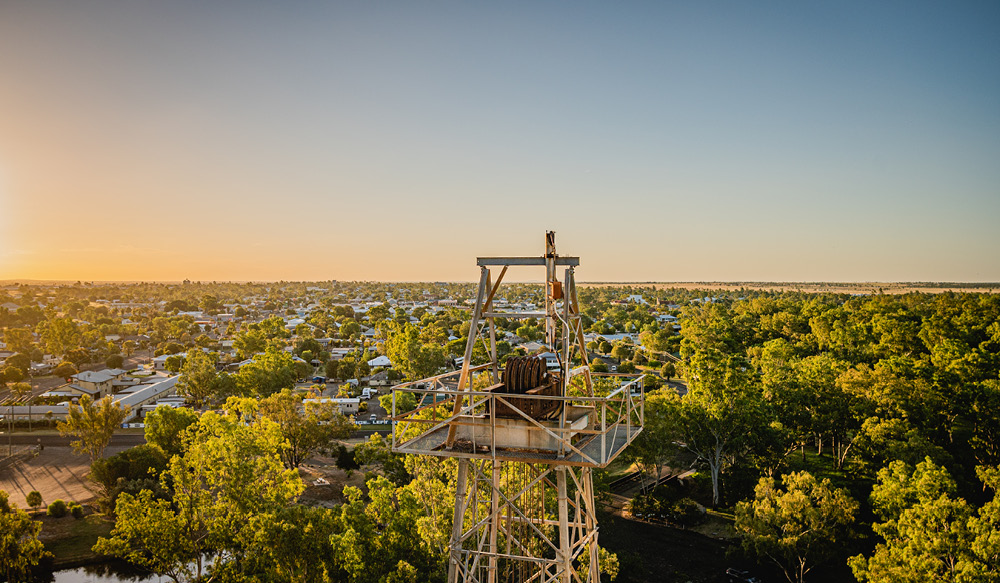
pixel 592 452
pixel 589 431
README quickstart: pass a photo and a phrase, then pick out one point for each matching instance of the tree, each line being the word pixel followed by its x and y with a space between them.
pixel 305 430
pixel 405 402
pixel 295 545
pixel 65 369
pixel 350 328
pixel 266 374
pixel 20 549
pixel 985 526
pixel 165 428
pixel 60 335
pixel 654 447
pixel 606 560
pixel 377 450
pixel 22 390
pixel 227 484
pixel 93 424
pixel 929 534
pixel 12 374
pixel 34 499
pixel 409 355
pixel 332 369
pixel 720 412
pixel 621 352
pixel 199 379
pixel 137 468
pixel 395 533
pixel 175 362
pixel 21 360
pixel 18 339
pixel 114 361
pixel 378 313
pixel 797 526
pixel 249 343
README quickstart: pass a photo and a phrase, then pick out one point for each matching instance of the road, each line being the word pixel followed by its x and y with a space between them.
pixel 117 440
pixel 51 440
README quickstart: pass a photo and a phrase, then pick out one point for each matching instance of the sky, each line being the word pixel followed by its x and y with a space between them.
pixel 662 141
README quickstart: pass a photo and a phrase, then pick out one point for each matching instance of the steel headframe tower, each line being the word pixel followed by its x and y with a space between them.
pixel 527 439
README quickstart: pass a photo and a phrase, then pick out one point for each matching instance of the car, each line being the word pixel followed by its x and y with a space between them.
pixel 319 379
pixel 741 576
pixel 373 418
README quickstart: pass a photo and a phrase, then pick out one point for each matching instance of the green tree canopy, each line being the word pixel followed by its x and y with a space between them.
pixel 20 549
pixel 165 428
pixel 229 481
pixel 930 534
pixel 306 427
pixel 199 381
pixel 408 355
pixel 92 424
pixel 797 525
pixel 267 374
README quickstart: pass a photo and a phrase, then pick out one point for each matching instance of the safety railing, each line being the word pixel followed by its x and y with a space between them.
pixel 586 430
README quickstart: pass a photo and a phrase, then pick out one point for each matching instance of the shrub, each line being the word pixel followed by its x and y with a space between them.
pixel 57 509
pixel 688 512
pixel 345 458
pixel 76 510
pixel 34 499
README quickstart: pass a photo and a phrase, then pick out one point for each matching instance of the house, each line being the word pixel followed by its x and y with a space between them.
pixel 379 379
pixel 551 359
pixel 75 391
pixel 98 383
pixel 379 361
pixel 532 347
pixel 160 362
pixel 339 353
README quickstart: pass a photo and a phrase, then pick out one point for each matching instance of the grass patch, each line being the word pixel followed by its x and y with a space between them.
pixel 71 540
pixel 825 466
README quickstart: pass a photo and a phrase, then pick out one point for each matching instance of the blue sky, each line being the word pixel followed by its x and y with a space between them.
pixel 663 141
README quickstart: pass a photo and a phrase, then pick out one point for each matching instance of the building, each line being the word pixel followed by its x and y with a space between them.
pixel 347 406
pixel 97 383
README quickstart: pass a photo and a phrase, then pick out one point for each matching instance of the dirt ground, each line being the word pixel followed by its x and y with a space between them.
pixel 56 473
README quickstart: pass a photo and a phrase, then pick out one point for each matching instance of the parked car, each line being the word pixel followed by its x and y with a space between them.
pixel 319 379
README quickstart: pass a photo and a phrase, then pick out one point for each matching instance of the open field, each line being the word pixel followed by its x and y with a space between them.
pixel 868 287
pixel 56 472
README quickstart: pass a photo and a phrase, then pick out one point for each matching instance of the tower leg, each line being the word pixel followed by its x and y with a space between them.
pixel 565 553
pixel 455 546
pixel 494 520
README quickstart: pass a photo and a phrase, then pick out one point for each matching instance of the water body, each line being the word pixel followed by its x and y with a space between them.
pixel 111 572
